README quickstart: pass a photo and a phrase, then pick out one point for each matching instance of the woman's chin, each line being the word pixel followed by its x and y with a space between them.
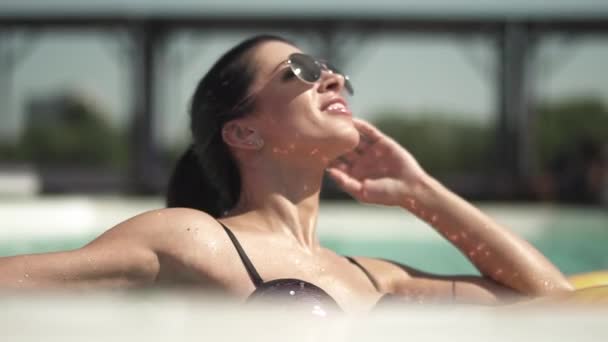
pixel 345 142
pixel 351 139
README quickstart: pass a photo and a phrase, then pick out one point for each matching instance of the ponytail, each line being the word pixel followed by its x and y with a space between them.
pixel 207 177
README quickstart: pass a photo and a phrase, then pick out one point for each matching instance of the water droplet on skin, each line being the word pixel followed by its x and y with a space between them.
pixel 481 246
pixel 20 280
pixel 472 254
pixel 279 150
pixel 315 151
pixel 498 272
pixel 27 275
pixel 463 234
pixel 212 246
pixel 434 218
pixel 453 238
pixel 318 311
pixel 487 253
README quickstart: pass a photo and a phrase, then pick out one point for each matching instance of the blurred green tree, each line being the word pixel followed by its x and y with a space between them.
pixel 561 126
pixel 441 143
pixel 68 129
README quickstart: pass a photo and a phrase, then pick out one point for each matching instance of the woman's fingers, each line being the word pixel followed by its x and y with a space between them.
pixel 346 182
pixel 340 163
pixel 369 133
pixel 369 136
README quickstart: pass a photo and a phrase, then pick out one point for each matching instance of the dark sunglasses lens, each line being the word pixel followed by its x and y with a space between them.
pixel 305 67
pixel 347 84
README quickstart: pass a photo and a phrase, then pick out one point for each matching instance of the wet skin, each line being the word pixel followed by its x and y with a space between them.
pixel 297 133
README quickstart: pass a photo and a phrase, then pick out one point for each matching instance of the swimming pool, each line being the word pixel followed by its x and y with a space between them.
pixel 574 238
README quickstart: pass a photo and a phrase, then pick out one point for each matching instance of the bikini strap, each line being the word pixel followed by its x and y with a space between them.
pixel 253 273
pixel 369 275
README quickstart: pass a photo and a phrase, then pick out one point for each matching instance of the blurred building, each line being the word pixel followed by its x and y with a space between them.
pixel 490 66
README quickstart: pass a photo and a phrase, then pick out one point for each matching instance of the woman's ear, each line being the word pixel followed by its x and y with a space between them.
pixel 240 134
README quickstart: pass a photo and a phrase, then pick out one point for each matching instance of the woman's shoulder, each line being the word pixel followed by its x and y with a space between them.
pixel 185 215
pixel 191 245
pixel 168 225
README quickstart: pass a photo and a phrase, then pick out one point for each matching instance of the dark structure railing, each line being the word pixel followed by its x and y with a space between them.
pixel 515 39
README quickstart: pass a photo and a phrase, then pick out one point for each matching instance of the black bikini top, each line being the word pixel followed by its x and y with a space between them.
pixel 294 290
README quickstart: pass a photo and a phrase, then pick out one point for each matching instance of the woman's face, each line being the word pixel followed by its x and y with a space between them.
pixel 296 118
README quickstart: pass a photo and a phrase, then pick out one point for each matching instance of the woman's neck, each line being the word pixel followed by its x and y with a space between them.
pixel 282 200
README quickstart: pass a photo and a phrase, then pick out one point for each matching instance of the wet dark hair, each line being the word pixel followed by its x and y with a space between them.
pixel 206 177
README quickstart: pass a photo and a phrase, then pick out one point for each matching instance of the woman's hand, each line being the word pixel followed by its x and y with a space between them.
pixel 378 170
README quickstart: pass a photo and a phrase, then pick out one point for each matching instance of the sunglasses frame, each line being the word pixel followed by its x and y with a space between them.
pixel 323 65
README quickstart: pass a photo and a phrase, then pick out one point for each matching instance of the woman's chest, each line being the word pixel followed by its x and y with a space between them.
pixel 347 283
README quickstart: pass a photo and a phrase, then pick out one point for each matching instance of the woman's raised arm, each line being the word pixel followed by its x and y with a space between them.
pixel 380 171
pixel 495 251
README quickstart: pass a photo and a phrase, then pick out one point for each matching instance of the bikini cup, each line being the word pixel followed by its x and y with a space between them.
pixel 296 291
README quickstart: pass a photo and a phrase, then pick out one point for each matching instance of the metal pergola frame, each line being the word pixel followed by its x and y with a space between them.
pixel 514 38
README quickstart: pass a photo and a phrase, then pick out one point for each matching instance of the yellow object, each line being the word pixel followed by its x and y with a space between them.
pixel 591 288
pixel 591 295
pixel 591 279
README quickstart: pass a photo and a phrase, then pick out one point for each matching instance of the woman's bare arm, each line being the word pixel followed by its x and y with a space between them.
pixel 129 255
pixel 121 257
pixel 380 171
pixel 413 285
pixel 495 251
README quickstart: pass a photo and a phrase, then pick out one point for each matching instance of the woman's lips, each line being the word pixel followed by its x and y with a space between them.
pixel 337 106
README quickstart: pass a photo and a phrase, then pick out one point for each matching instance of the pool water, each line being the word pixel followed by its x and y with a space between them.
pixel 574 238
pixel 571 253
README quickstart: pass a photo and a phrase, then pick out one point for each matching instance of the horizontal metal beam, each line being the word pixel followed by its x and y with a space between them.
pixel 440 24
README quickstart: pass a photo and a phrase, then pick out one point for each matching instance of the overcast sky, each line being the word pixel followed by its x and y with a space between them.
pixel 413 73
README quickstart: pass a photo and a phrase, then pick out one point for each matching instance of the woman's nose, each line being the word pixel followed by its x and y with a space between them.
pixel 331 81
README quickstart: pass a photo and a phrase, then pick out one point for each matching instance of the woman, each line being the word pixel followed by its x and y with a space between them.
pixel 267 123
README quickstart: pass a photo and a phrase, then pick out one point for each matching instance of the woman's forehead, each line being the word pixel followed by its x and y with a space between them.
pixel 269 56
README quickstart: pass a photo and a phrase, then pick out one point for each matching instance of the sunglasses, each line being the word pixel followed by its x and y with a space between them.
pixel 309 69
